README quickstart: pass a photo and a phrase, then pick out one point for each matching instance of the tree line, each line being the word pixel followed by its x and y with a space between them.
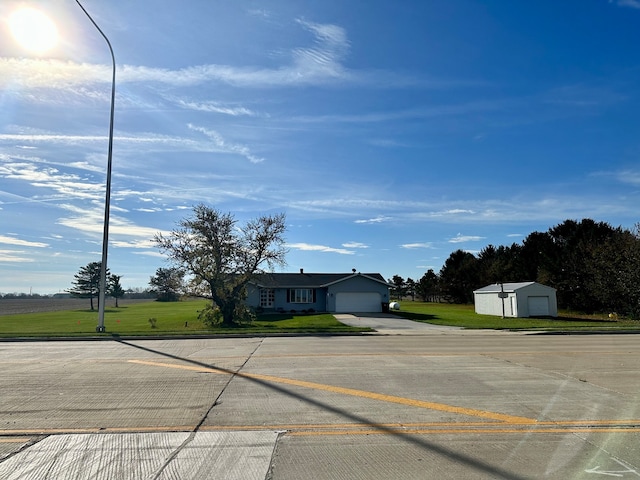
pixel 594 267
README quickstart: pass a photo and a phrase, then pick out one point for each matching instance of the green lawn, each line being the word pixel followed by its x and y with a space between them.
pixel 170 318
pixel 465 316
pixel 182 318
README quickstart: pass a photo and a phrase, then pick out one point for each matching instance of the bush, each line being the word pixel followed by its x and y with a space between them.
pixel 212 316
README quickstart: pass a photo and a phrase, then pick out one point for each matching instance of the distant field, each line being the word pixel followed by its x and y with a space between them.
pixel 39 305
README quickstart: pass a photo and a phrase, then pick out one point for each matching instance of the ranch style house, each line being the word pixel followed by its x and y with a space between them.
pixel 319 292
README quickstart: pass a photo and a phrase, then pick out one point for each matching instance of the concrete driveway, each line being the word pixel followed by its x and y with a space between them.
pixel 390 324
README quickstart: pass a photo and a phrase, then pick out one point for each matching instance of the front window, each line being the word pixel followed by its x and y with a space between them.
pixel 301 295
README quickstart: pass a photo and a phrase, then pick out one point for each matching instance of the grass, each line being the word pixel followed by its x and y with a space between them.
pixel 465 316
pixel 171 318
pixel 181 318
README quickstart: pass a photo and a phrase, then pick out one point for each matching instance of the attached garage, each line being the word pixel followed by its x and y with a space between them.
pixel 524 299
pixel 358 302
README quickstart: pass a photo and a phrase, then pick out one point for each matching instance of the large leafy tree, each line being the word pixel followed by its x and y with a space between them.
pixel 168 283
pixel 86 283
pixel 223 256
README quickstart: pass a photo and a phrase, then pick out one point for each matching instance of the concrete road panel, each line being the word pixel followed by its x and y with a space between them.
pixel 151 456
pixel 430 406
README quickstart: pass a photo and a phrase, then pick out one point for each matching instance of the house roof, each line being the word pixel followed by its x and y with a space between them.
pixel 508 287
pixel 309 280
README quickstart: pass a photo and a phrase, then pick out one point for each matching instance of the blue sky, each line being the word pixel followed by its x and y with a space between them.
pixel 391 133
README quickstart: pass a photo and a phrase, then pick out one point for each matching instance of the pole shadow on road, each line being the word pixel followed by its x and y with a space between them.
pixel 457 457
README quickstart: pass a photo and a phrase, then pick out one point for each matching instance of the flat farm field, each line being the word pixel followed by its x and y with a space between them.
pixel 13 306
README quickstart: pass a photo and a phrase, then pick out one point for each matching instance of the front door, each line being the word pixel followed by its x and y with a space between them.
pixel 267 298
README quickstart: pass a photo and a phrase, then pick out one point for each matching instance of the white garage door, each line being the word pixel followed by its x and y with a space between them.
pixel 538 306
pixel 358 302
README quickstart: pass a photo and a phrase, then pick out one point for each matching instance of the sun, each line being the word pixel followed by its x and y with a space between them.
pixel 33 29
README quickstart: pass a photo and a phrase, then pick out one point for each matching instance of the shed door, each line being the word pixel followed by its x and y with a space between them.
pixel 538 306
pixel 358 302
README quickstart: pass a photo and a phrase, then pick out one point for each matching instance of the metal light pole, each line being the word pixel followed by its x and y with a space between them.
pixel 105 233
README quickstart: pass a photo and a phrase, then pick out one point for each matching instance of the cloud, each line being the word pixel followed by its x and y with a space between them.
pixel 65 185
pixel 323 59
pixel 225 146
pixel 151 254
pixel 23 243
pixel 215 107
pixel 355 245
pixel 465 238
pixel 378 219
pixel 315 64
pixel 628 3
pixel 417 245
pixel 319 248
pixel 631 177
pixel 9 256
pixel 122 232
pixel 212 142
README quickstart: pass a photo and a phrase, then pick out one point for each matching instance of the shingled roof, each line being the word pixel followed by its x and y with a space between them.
pixel 308 280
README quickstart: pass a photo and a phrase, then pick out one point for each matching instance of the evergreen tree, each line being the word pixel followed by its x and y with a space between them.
pixel 115 288
pixel 86 283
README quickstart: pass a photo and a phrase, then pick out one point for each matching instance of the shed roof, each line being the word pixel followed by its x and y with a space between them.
pixel 508 287
pixel 309 280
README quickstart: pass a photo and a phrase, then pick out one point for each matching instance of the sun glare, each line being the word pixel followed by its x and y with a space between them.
pixel 33 29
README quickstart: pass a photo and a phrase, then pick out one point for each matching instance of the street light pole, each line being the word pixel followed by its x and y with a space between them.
pixel 105 233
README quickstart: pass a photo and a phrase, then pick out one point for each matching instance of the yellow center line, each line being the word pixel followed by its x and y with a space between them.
pixel 460 431
pixel 357 393
pixel 14 440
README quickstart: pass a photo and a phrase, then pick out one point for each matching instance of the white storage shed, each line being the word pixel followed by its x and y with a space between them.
pixel 523 299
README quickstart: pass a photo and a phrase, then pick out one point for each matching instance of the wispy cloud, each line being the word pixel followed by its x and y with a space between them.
pixel 24 243
pixel 215 107
pixel 63 184
pixel 307 247
pixel 417 245
pixel 627 3
pixel 465 238
pixel 631 177
pixel 379 219
pixel 315 64
pixel 226 146
pixel 355 245
pixel 123 232
pixel 10 256
pixel 322 60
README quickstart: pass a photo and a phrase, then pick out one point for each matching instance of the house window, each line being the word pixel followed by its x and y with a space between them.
pixel 301 295
pixel 267 298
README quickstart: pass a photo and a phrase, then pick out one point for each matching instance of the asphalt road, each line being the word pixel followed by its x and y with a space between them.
pixel 435 405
